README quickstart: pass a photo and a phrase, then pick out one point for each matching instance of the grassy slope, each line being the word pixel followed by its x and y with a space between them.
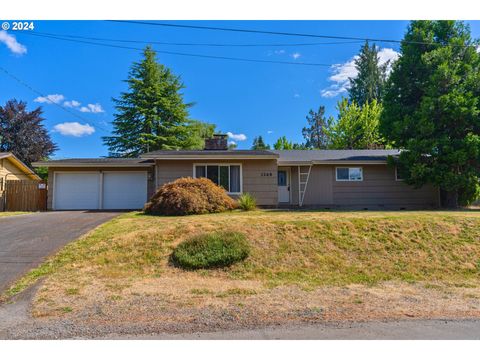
pixel 306 248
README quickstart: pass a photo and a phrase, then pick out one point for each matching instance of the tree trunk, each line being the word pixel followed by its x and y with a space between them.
pixel 449 199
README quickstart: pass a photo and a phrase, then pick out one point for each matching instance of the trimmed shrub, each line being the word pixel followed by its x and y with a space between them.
pixel 187 196
pixel 247 202
pixel 212 250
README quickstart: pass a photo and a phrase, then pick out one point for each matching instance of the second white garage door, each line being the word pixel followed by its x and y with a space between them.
pixel 112 190
pixel 124 190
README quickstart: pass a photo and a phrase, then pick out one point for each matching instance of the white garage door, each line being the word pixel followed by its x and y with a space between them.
pixel 76 191
pixel 124 190
pixel 85 190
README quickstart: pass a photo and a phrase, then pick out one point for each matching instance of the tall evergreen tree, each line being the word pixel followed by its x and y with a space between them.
pixel 315 133
pixel 432 109
pixel 369 83
pixel 152 114
pixel 22 132
pixel 259 144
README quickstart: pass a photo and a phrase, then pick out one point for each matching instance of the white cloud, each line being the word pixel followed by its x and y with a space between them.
pixel 296 95
pixel 11 42
pixel 343 72
pixel 296 55
pixel 50 99
pixel 270 132
pixel 232 143
pixel 92 108
pixel 71 104
pixel 74 129
pixel 279 52
pixel 340 78
pixel 237 137
pixel 390 55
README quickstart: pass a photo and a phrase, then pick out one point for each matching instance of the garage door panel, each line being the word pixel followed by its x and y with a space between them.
pixel 77 191
pixel 124 190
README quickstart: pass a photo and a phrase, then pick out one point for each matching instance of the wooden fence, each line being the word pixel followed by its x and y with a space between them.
pixel 25 195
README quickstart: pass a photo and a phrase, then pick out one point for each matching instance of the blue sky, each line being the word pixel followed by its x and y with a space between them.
pixel 245 99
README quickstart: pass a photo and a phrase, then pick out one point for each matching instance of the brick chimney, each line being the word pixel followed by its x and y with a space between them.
pixel 217 142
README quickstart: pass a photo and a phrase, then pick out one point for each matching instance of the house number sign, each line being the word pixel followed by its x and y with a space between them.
pixel 266 174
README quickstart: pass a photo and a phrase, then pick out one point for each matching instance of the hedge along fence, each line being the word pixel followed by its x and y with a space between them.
pixel 188 196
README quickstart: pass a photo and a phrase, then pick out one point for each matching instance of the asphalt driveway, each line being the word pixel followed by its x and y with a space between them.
pixel 26 240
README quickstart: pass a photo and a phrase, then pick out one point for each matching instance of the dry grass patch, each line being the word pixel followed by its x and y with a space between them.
pixel 295 256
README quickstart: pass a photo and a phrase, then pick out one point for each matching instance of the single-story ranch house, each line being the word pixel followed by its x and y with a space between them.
pixel 298 178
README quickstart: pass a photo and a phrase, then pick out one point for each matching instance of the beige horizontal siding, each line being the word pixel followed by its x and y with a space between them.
pixel 319 186
pixel 380 189
pixel 14 173
pixel 263 188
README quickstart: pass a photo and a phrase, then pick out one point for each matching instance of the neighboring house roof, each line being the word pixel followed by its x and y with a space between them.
pixel 104 162
pixel 333 156
pixel 209 154
pixel 20 165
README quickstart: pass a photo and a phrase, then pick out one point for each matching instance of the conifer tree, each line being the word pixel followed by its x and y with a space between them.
pixel 152 114
pixel 369 83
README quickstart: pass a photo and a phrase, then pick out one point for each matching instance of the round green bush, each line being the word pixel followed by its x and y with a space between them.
pixel 212 250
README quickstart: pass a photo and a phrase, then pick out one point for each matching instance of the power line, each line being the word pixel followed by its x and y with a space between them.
pixel 182 53
pixel 23 83
pixel 282 33
pixel 200 44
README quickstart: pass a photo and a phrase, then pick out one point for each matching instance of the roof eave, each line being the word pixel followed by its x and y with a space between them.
pixel 93 164
pixel 353 162
pixel 19 164
pixel 210 157
pixel 332 162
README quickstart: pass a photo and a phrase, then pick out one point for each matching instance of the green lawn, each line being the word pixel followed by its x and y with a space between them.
pixel 306 248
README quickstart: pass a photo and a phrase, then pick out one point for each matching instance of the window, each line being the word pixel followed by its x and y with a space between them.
pixel 398 176
pixel 349 174
pixel 282 178
pixel 226 175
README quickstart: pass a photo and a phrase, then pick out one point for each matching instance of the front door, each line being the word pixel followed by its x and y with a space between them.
pixel 283 186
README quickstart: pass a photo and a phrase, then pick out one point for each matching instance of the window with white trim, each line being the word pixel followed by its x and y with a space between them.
pixel 398 177
pixel 349 174
pixel 227 176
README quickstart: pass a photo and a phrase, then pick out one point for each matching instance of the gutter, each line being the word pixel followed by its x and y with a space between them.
pixel 332 162
pixel 211 157
pixel 58 165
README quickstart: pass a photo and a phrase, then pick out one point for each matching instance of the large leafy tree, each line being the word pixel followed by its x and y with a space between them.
pixel 357 127
pixel 259 144
pixel 282 143
pixel 369 83
pixel 432 109
pixel 152 114
pixel 23 133
pixel 315 133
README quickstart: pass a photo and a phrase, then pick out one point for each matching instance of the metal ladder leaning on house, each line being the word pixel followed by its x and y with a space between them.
pixel 302 183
